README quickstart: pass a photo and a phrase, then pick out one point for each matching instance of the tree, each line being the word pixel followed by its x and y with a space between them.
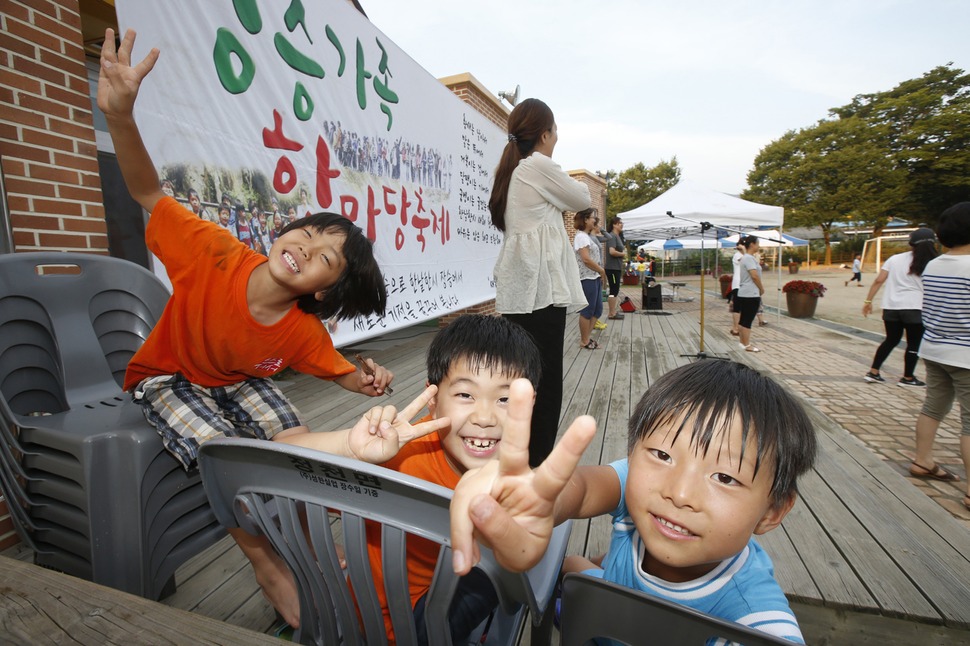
pixel 904 153
pixel 926 125
pixel 638 184
pixel 833 172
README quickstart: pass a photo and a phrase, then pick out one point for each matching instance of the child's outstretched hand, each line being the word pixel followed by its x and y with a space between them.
pixel 372 378
pixel 382 431
pixel 505 503
pixel 118 80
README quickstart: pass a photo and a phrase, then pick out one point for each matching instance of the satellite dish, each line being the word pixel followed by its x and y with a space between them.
pixel 512 96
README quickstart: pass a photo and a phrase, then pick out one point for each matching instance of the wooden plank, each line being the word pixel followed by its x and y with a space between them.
pixel 885 583
pixel 790 572
pixel 934 566
pixel 191 591
pixel 836 581
pixel 40 604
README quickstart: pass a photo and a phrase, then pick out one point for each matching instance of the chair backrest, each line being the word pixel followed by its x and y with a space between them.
pixel 593 608
pixel 69 323
pixel 277 490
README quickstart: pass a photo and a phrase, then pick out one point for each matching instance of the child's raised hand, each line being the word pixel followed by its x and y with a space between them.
pixel 118 80
pixel 505 503
pixel 382 431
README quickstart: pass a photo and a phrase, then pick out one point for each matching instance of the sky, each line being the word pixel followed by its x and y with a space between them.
pixel 710 82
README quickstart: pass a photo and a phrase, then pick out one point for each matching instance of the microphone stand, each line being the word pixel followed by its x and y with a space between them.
pixel 705 226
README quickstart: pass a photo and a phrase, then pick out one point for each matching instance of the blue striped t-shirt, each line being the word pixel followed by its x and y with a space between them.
pixel 946 311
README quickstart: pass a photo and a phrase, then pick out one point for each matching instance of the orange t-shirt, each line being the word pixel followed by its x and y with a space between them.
pixel 422 458
pixel 206 332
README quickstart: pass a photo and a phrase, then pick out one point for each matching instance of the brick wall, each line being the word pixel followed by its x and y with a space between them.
pixel 47 148
pixel 597 195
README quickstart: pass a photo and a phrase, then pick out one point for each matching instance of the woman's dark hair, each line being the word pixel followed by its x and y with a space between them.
pixel 705 399
pixel 360 289
pixel 487 343
pixel 953 229
pixel 747 241
pixel 923 242
pixel 579 220
pixel 527 122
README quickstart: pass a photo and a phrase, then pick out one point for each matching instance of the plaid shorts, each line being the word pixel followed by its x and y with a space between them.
pixel 186 415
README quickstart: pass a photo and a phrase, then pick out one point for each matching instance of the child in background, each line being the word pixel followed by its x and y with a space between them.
pixel 714 451
pixel 856 271
pixel 235 318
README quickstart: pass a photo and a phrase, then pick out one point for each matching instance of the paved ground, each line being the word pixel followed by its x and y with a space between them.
pixel 825 358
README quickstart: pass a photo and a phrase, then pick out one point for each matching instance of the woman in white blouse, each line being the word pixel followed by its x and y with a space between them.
pixel 536 276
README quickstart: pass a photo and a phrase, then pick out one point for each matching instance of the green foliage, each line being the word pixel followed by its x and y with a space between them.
pixel 638 184
pixel 904 153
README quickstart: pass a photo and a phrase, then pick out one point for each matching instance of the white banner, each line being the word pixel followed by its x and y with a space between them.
pixel 271 110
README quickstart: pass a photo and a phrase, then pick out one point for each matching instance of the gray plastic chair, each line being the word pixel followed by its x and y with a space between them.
pixel 89 485
pixel 593 608
pixel 270 488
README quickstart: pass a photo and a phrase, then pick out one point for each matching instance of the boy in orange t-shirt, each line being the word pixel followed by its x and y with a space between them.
pixel 236 318
pixel 472 362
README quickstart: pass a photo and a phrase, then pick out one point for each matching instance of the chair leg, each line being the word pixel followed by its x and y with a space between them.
pixel 542 632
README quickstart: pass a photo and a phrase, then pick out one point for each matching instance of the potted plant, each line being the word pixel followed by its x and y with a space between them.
pixel 792 267
pixel 802 297
pixel 725 280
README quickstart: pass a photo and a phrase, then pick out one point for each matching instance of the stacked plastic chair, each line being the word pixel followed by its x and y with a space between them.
pixel 89 486
pixel 287 493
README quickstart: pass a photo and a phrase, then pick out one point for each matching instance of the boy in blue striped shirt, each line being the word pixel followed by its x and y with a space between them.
pixel 713 454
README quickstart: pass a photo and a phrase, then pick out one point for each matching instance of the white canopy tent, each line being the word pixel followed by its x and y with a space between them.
pixel 674 244
pixel 689 209
pixel 680 211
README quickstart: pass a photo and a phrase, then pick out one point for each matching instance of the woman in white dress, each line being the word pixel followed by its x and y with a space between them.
pixel 536 276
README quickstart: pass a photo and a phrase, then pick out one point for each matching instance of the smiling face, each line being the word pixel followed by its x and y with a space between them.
pixel 476 401
pixel 307 261
pixel 695 510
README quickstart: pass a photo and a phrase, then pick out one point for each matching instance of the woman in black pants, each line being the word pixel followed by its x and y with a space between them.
pixel 536 275
pixel 750 289
pixel 902 304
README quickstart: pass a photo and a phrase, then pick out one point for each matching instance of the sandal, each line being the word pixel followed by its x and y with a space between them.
pixel 751 348
pixel 733 333
pixel 592 345
pixel 936 473
pixel 966 502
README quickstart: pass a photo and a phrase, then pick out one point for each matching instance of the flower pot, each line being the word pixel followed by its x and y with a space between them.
pixel 793 268
pixel 725 284
pixel 801 306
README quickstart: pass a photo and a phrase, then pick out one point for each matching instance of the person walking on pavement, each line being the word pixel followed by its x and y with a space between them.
pixel 902 302
pixel 946 344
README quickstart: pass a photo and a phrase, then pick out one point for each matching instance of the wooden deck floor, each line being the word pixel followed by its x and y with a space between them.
pixel 864 556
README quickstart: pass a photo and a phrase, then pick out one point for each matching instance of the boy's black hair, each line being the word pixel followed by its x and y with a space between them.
pixel 360 289
pixel 711 395
pixel 953 229
pixel 487 343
